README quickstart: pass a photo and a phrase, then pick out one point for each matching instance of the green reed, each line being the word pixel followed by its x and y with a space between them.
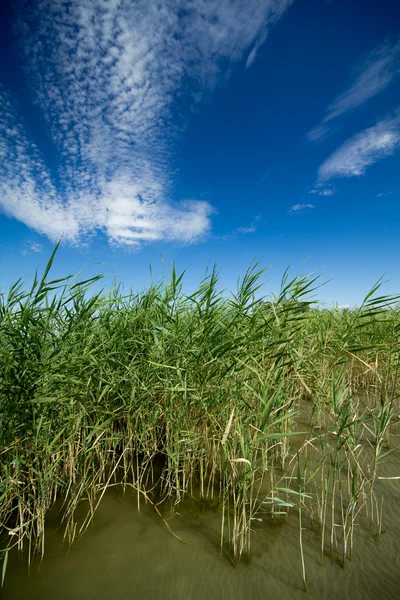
pixel 270 407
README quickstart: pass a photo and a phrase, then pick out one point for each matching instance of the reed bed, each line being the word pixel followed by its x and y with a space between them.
pixel 270 408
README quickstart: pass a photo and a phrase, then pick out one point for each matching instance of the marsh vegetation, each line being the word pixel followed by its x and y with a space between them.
pixel 268 412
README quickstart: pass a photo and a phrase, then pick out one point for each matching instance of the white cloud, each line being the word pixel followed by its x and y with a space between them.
pixel 34 247
pixel 317 133
pixel 244 230
pixel 110 79
pixel 252 228
pixel 300 207
pixel 252 56
pixel 384 194
pixel 372 76
pixel 322 190
pixel 275 10
pixel 362 150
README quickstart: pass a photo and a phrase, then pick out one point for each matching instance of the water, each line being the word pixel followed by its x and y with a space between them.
pixel 127 555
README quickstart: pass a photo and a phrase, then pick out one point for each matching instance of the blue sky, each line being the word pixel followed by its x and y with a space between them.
pixel 203 131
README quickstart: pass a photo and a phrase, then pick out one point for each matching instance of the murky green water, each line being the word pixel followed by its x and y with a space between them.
pixel 128 555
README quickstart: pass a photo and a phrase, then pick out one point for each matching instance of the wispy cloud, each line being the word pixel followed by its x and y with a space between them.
pixel 244 230
pixel 250 228
pixel 112 81
pixel 33 247
pixel 362 150
pixel 384 194
pixel 372 76
pixel 265 175
pixel 322 190
pixel 317 133
pixel 273 13
pixel 296 208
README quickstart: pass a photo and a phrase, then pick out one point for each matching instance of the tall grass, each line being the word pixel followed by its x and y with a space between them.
pixel 270 408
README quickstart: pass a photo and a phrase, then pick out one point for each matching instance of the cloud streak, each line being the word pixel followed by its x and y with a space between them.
pixel 371 77
pixel 363 150
pixel 244 230
pixel 296 208
pixel 113 82
pixel 322 191
pixel 32 247
pixel 375 74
